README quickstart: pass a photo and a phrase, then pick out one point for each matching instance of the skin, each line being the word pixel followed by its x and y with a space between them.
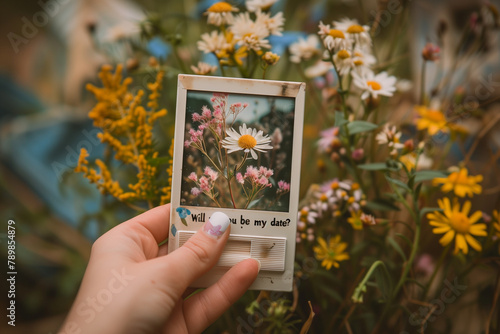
pixel 133 286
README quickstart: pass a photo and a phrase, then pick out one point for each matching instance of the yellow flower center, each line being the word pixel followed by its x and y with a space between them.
pixel 374 85
pixel 355 186
pixel 220 7
pixel 355 29
pixel 304 212
pixel 351 200
pixel 343 54
pixel 323 198
pixel 334 185
pixel 335 33
pixel 358 62
pixel 247 141
pixel 460 222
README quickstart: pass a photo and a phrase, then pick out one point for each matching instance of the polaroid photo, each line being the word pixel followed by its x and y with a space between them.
pixel 237 151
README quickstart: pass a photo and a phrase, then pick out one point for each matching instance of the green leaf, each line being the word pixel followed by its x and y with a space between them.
pixel 425 175
pixel 339 119
pixel 396 246
pixel 382 205
pixel 398 183
pixel 384 282
pixel 360 126
pixel 427 210
pixel 374 166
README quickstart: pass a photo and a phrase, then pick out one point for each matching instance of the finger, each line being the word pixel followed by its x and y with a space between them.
pixel 137 238
pixel 204 308
pixel 156 221
pixel 198 255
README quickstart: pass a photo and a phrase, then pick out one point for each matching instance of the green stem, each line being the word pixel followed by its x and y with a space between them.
pixel 357 296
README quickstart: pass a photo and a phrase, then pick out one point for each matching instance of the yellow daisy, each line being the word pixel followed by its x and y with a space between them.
pixel 456 224
pixel 462 184
pixel 355 220
pixel 431 120
pixel 331 254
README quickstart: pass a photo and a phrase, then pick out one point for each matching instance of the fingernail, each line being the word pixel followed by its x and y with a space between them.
pixel 260 264
pixel 217 224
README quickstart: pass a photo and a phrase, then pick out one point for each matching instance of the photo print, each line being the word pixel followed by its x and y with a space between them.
pixel 237 151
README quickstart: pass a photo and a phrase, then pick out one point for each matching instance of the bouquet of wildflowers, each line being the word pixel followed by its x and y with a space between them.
pixel 389 237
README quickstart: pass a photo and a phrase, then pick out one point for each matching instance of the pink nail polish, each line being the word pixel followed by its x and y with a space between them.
pixel 217 224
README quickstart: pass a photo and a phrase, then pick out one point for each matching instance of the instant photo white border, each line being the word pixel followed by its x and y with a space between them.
pixel 269 243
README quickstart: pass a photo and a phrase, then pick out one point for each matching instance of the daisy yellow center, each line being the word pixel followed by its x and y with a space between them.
pixel 358 62
pixel 343 54
pixel 355 29
pixel 355 186
pixel 374 85
pixel 335 33
pixel 220 7
pixel 304 212
pixel 247 141
pixel 323 198
pixel 460 222
pixel 334 185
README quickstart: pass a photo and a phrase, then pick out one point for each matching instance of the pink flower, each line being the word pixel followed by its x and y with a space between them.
pixel 266 172
pixel 196 117
pixel 211 173
pixel 193 177
pixel 283 186
pixel 206 113
pixel 252 173
pixel 240 178
pixel 329 140
pixel 204 184
pixel 187 143
pixel 195 191
pixel 263 181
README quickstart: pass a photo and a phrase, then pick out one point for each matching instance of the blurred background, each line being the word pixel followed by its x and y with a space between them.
pixel 51 49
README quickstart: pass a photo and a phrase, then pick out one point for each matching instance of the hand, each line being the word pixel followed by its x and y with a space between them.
pixel 132 286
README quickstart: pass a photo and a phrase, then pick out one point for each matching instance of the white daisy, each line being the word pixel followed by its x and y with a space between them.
pixel 374 85
pixel 273 24
pixel 362 60
pixel 212 42
pixel 355 32
pixel 248 140
pixel 249 33
pixel 304 49
pixel 203 68
pixel 255 5
pixel 319 69
pixel 220 13
pixel 391 137
pixel 344 61
pixel 333 39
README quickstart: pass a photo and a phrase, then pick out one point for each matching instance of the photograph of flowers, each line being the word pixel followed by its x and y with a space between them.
pixel 384 152
pixel 237 151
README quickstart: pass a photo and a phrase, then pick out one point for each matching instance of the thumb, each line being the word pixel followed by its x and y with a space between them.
pixel 199 254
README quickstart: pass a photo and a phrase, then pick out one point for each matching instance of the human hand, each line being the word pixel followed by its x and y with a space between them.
pixel 132 286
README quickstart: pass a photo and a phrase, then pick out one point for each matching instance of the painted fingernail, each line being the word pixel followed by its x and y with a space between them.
pixel 217 224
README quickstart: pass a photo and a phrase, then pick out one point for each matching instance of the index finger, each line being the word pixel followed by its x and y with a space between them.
pixel 156 221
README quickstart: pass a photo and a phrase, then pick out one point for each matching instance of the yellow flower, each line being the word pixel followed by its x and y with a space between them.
pixel 456 223
pixel 355 220
pixel 331 254
pixel 462 184
pixel 431 120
